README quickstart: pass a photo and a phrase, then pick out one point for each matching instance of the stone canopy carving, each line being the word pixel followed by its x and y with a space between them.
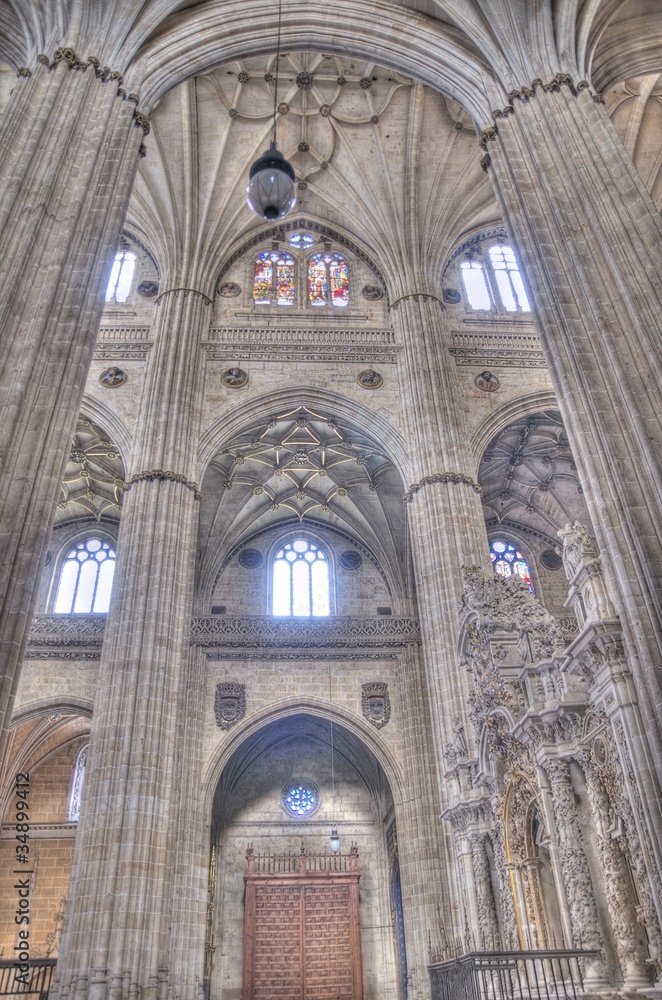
pixel 578 548
pixel 506 603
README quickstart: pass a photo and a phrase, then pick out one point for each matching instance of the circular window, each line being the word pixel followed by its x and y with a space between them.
pixel 301 799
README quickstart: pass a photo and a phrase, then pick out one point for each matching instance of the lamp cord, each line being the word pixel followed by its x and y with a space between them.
pixel 273 140
pixel 333 771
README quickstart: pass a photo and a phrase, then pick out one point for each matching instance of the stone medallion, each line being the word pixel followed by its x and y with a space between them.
pixel 112 378
pixel 370 379
pixel 234 378
pixel 487 382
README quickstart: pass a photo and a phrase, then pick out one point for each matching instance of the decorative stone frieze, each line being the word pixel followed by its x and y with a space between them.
pixel 264 630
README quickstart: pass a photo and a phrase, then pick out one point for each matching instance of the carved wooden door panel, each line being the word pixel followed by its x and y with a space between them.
pixel 302 928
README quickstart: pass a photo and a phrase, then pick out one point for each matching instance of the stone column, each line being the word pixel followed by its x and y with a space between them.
pixel 68 157
pixel 482 877
pixel 117 938
pixel 590 239
pixel 577 882
pixel 628 936
pixel 447 527
pixel 574 865
pixel 506 902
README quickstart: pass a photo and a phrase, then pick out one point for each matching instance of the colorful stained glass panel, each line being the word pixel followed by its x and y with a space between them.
pixel 318 285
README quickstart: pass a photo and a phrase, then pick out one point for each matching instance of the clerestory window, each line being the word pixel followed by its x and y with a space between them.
pixel 86 579
pixel 328 280
pixel 494 281
pixel 507 560
pixel 300 580
pixel 121 276
pixel 508 279
pixel 274 279
pixel 77 782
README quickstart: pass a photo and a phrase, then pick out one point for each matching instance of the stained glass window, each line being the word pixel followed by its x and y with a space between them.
pixel 86 579
pixel 300 580
pixel 121 276
pixel 509 561
pixel 301 240
pixel 508 279
pixel 301 799
pixel 328 280
pixel 475 284
pixel 273 279
pixel 77 781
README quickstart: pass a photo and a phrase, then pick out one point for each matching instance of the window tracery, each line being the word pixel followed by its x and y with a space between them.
pixel 492 278
pixel 274 279
pixel 86 579
pixel 508 278
pixel 300 580
pixel 319 280
pixel 121 276
pixel 507 560
pixel 328 280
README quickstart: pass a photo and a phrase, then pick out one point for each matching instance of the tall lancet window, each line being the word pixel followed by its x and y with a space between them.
pixel 300 580
pixel 475 284
pixel 121 276
pixel 77 782
pixel 508 278
pixel 273 279
pixel 328 280
pixel 86 579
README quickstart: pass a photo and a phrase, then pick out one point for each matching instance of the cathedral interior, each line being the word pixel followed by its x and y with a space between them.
pixel 331 546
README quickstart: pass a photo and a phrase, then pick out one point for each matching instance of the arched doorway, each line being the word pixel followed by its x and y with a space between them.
pixel 299 920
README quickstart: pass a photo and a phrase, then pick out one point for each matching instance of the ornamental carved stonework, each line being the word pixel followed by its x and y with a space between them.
pixel 507 603
pixel 376 703
pixel 229 704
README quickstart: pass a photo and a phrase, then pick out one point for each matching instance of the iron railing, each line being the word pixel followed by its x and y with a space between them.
pixel 36 982
pixel 510 975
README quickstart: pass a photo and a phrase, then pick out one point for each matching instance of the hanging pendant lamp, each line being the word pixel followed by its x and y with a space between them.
pixel 271 191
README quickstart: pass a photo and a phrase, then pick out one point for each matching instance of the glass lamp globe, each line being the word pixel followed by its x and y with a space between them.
pixel 334 841
pixel 271 192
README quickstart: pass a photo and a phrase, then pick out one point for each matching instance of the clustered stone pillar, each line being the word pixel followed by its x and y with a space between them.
pixel 590 238
pixel 67 163
pixel 117 933
pixel 446 521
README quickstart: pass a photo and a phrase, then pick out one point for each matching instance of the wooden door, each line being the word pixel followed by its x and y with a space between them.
pixel 302 928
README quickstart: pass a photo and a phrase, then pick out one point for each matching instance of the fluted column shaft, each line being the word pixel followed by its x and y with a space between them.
pixel 591 242
pixel 446 517
pixel 116 940
pixel 67 161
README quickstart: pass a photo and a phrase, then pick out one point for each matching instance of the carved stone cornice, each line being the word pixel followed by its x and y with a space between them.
pixel 265 631
pixel 81 636
pixel 470 815
pixel 445 478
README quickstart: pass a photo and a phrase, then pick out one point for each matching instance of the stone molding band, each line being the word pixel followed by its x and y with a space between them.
pixel 158 475
pixel 525 94
pixel 442 477
pixel 195 291
pixel 417 296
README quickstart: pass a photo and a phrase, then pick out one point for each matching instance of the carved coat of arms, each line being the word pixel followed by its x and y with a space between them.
pixel 375 703
pixel 229 704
